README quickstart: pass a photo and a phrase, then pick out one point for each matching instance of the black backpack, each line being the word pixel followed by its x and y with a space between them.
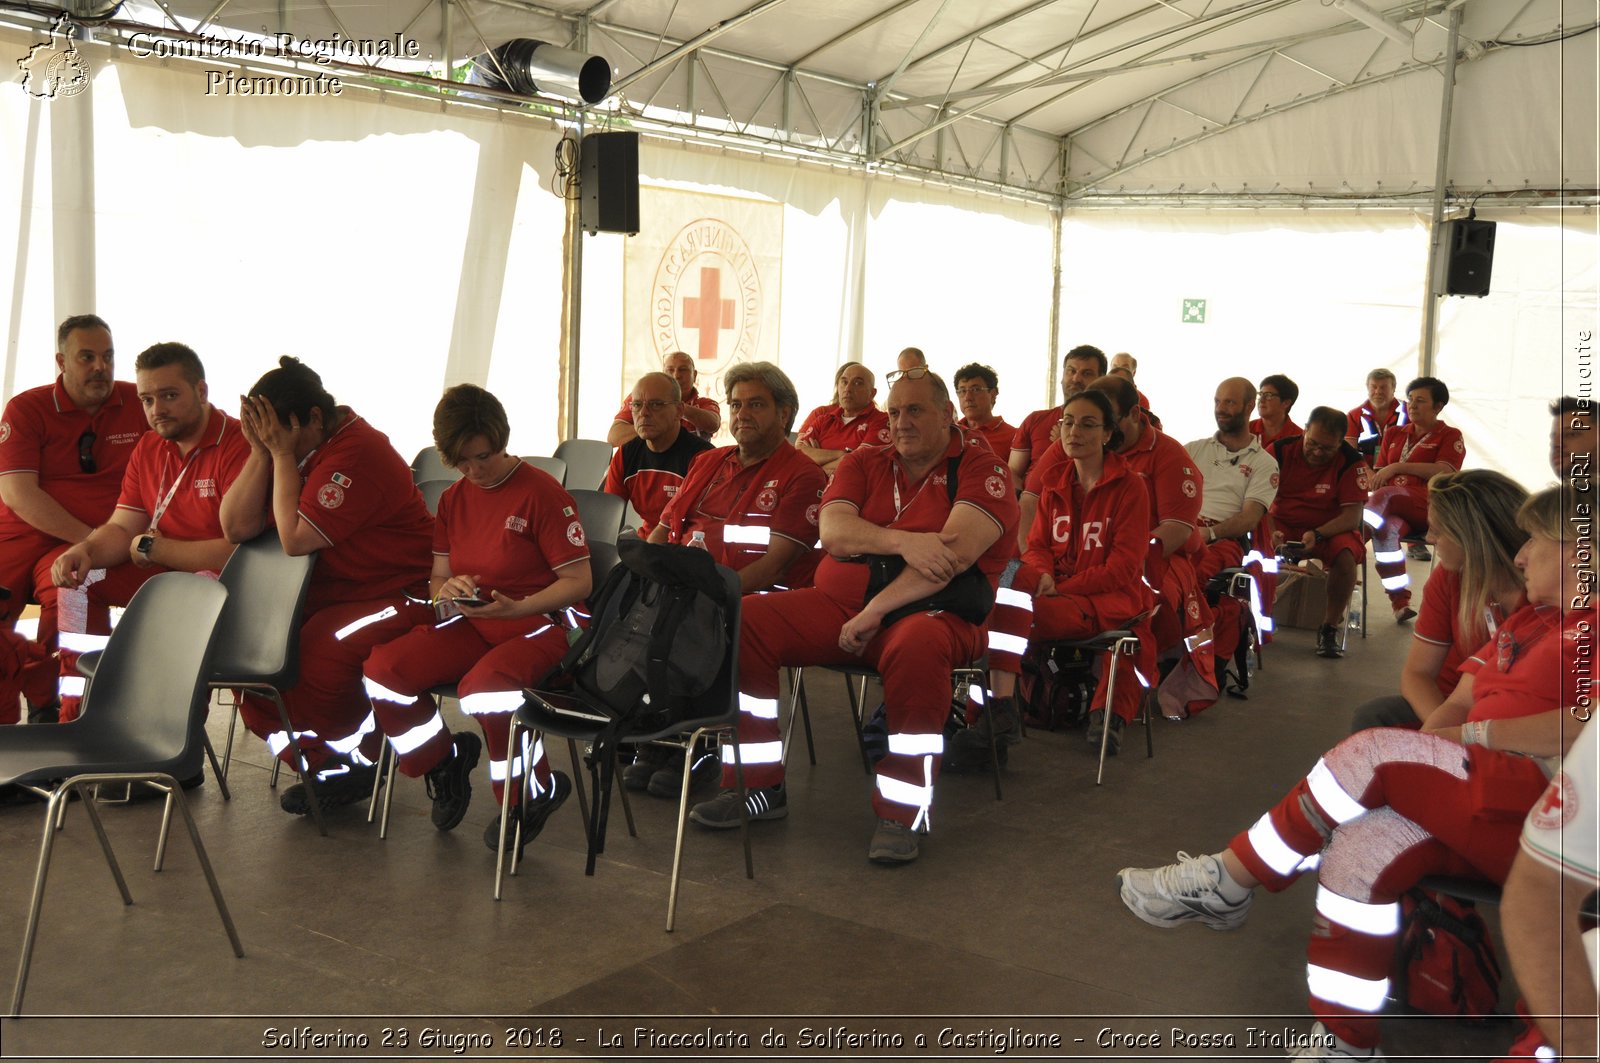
pixel 656 642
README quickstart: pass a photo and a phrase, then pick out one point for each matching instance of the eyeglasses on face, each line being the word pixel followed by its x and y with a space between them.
pixel 653 405
pixel 1268 395
pixel 86 451
pixel 973 389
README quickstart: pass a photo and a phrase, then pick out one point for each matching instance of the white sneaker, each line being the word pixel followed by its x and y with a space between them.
pixel 1167 896
pixel 1324 1045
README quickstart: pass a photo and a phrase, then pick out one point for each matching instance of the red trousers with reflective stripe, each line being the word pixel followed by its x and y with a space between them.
pixel 1434 807
pixel 1229 611
pixel 330 699
pixel 1403 513
pixel 1073 616
pixel 479 657
pixel 118 588
pixel 915 657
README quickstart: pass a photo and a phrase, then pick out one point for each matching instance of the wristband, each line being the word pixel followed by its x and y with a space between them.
pixel 1475 733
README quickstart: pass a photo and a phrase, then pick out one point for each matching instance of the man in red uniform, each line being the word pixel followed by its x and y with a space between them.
pixel 854 420
pixel 168 515
pixel 1176 495
pixel 507 535
pixel 701 414
pixel 1082 366
pixel 1410 454
pixel 977 386
pixel 63 448
pixel 1126 365
pixel 333 486
pixel 1322 485
pixel 933 504
pixel 649 469
pixel 1381 412
pixel 1274 401
pixel 752 505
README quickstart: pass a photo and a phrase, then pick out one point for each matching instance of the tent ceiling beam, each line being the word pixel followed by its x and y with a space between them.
pixel 694 43
pixel 887 85
pixel 1266 112
pixel 859 27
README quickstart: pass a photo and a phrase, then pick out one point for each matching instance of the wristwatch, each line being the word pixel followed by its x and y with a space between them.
pixel 1318 536
pixel 145 544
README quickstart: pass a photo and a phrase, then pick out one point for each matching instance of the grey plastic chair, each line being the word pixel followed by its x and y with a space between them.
pixel 431 490
pixel 601 514
pixel 587 461
pixel 554 466
pixel 141 724
pixel 428 465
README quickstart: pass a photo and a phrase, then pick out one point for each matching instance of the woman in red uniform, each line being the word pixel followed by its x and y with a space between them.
pixel 1475 585
pixel 1388 806
pixel 509 555
pixel 1083 571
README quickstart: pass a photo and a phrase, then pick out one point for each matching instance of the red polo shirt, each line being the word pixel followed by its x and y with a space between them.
pixel 872 482
pixel 1309 495
pixel 694 398
pixel 649 479
pixel 512 536
pixel 1437 623
pixel 1441 443
pixel 182 496
pixel 1033 434
pixel 740 508
pixel 359 496
pixel 1175 479
pixel 827 429
pixel 1290 430
pixel 996 433
pixel 39 433
pixel 1527 668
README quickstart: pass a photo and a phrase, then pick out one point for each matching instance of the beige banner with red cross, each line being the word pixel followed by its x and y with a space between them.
pixel 703 276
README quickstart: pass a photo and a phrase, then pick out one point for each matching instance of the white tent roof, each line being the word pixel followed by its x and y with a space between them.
pixel 1080 99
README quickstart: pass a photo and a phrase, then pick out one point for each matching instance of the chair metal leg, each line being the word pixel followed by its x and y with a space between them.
pixel 577 779
pixel 205 866
pixel 233 723
pixel 505 814
pixel 1111 701
pixel 858 697
pixel 798 702
pixel 307 776
pixel 105 843
pixel 166 827
pixel 622 792
pixel 372 800
pixel 683 819
pixel 40 874
pixel 216 769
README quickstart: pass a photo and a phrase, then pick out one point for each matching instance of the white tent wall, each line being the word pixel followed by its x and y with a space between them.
pixel 394 248
pixel 1325 298
pixel 870 265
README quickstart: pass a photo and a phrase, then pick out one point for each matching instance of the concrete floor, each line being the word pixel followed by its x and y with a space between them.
pixel 1008 926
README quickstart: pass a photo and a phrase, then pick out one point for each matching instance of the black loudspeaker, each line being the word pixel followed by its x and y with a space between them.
pixel 610 183
pixel 1466 256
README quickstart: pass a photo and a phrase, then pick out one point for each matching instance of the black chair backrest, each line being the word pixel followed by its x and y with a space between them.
pixel 431 490
pixel 554 466
pixel 602 559
pixel 600 513
pixel 428 465
pixel 151 684
pixel 587 461
pixel 259 638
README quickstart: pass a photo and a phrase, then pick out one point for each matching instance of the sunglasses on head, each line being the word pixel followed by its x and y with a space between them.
pixel 86 451
pixel 916 372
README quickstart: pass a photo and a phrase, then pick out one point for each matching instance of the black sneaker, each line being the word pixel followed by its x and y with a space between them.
pixel 967 752
pixel 47 713
pixel 722 811
pixel 668 779
pixel 339 783
pixel 534 816
pixel 450 781
pixel 893 843
pixel 1097 723
pixel 1328 642
pixel 646 762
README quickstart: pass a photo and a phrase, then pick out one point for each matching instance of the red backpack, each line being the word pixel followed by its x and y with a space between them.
pixel 1446 963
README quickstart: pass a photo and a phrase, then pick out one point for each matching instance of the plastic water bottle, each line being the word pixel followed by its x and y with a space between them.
pixel 697 541
pixel 1355 616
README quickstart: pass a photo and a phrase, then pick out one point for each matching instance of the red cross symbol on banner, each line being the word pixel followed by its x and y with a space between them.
pixel 709 312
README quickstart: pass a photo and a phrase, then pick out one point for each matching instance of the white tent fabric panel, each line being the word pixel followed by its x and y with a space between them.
pixel 374 241
pixel 1325 299
pixel 27 244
